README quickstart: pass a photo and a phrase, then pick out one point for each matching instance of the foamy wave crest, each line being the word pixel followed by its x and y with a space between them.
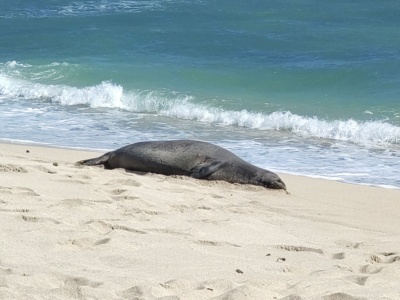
pixel 103 95
pixel 167 104
pixel 363 133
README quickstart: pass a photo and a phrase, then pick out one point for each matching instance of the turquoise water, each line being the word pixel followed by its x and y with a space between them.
pixel 304 87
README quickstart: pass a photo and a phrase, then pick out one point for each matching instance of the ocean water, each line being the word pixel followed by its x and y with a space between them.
pixel 300 87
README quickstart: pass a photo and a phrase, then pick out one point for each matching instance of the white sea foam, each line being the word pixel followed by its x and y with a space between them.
pixel 53 71
pixel 102 95
pixel 86 8
pixel 112 95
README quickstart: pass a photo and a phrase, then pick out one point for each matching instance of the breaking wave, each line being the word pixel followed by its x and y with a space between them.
pixel 111 95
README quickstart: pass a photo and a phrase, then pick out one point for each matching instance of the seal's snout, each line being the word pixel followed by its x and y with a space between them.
pixel 273 182
pixel 280 184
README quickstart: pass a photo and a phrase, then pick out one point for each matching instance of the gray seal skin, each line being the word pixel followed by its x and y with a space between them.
pixel 196 159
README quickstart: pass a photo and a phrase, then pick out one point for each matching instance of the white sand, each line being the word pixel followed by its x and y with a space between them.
pixel 70 232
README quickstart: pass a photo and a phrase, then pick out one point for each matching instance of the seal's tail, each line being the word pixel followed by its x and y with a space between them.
pixel 95 161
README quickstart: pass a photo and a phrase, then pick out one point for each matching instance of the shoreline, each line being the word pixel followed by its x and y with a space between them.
pixel 44 145
pixel 75 231
pixel 102 151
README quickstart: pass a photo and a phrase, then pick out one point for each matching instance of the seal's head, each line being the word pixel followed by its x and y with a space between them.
pixel 271 181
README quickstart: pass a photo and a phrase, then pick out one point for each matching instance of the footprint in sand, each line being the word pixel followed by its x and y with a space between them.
pixel 392 256
pixel 182 232
pixel 77 176
pixel 243 291
pixel 72 286
pixel 137 210
pixel 147 292
pixel 376 261
pixel 117 192
pixel 189 208
pixel 184 208
pixel 84 243
pixel 341 296
pixel 81 281
pixel 72 181
pixel 71 203
pixel 345 268
pixel 105 228
pixel 384 258
pixel 299 249
pixel 370 269
pixel 122 197
pixel 21 191
pixel 347 244
pixel 340 255
pixel 12 169
pixel 24 210
pixel 360 280
pixel 213 243
pixel 217 196
pixel 292 297
pixel 44 169
pixel 102 242
pixel 5 271
pixel 128 182
pixel 37 219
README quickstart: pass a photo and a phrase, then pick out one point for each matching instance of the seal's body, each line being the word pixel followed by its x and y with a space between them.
pixel 185 157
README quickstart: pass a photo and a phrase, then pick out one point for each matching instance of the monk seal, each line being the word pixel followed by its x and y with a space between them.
pixel 196 159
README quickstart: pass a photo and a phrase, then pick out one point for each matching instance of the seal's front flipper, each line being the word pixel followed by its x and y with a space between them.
pixel 95 161
pixel 205 169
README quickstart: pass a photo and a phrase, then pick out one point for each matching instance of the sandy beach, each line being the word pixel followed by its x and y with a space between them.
pixel 77 232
